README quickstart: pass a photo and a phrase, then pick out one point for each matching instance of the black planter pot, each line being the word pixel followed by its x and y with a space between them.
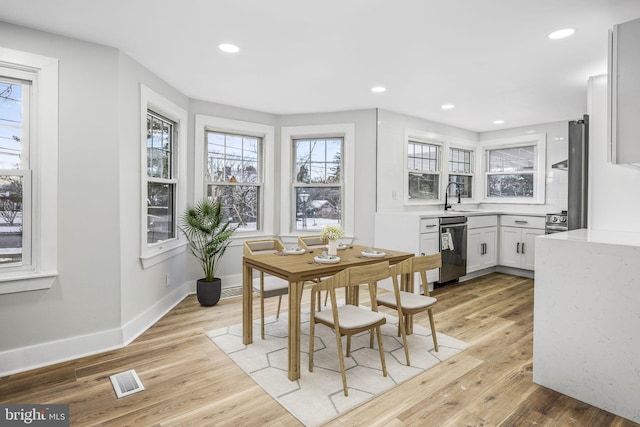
pixel 209 292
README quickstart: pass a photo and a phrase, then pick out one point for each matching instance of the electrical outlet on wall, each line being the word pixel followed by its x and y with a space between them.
pixel 394 195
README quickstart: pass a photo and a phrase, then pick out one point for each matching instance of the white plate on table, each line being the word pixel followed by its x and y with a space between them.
pixel 373 254
pixel 294 251
pixel 329 259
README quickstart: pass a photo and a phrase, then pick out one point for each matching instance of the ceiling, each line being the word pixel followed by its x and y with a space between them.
pixel 492 59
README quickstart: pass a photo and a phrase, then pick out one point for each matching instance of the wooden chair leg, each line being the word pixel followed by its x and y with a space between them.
pixel 261 316
pixel 279 303
pixel 433 329
pixel 341 358
pixel 384 365
pixel 403 333
pixel 348 346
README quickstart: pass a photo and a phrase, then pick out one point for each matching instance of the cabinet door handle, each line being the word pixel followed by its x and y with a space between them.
pixel 523 248
pixel 518 221
pixel 481 248
pixel 518 248
pixel 484 249
pixel 430 225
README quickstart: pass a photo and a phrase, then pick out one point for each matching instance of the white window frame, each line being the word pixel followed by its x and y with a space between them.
pixel 471 174
pixel 42 270
pixel 422 137
pixel 154 253
pixel 205 123
pixel 539 172
pixel 287 203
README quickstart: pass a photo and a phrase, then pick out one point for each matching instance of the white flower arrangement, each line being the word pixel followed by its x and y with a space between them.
pixel 332 232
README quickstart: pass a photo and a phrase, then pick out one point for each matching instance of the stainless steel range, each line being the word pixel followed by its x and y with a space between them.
pixel 556 223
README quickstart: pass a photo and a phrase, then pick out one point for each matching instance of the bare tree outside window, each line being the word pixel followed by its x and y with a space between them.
pixel 234 176
pixel 318 185
pixel 511 172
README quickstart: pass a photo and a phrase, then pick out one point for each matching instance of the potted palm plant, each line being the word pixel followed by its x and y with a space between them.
pixel 208 235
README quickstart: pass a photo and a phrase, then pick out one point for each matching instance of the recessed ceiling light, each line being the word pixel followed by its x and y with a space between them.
pixel 448 106
pixel 498 122
pixel 227 47
pixel 558 138
pixel 378 89
pixel 560 34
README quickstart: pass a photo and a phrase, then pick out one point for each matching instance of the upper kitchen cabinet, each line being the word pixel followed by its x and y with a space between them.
pixel 624 93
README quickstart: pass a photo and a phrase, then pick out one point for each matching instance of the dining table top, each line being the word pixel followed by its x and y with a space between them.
pixel 304 266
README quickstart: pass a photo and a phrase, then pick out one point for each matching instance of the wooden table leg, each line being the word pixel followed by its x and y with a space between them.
pixel 295 291
pixel 247 305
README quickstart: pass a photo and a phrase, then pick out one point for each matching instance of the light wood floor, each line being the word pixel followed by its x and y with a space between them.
pixel 189 381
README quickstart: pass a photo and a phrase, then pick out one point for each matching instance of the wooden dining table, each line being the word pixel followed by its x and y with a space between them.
pixel 298 269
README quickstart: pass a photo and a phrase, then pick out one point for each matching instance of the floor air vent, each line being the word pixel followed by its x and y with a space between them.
pixel 126 383
pixel 231 292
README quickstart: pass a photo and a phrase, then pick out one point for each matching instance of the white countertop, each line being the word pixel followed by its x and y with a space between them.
pixel 607 237
pixel 472 212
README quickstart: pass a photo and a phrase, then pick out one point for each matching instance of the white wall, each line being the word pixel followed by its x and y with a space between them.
pixel 85 299
pixel 102 297
pixel 391 160
pixel 144 293
pixel 557 150
pixel 614 199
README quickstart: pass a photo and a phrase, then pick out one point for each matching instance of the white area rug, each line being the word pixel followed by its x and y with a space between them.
pixel 317 396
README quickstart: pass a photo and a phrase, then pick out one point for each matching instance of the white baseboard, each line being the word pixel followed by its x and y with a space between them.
pixel 135 327
pixel 49 353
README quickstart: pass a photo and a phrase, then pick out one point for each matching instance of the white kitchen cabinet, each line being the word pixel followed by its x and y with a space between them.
pixel 624 93
pixel 430 243
pixel 409 232
pixel 482 240
pixel 517 240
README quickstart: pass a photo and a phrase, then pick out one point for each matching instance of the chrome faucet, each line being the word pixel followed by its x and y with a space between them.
pixel 447 206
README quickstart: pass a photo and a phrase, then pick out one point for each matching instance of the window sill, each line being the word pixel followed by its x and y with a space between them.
pixel 162 253
pixel 24 282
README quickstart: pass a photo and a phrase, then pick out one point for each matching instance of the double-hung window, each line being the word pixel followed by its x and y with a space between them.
pixel 424 170
pixel 510 172
pixel 163 170
pixel 234 176
pixel 28 171
pixel 15 172
pixel 161 178
pixel 514 169
pixel 460 172
pixel 318 182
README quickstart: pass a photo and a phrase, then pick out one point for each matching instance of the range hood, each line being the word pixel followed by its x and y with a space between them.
pixel 563 165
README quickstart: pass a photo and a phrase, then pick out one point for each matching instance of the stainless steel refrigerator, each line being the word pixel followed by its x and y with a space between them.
pixel 578 169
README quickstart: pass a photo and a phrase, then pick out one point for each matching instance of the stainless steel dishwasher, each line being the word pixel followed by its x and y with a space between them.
pixel 453 248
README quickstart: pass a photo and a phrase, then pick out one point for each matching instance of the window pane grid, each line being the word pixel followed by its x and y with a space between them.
pixel 159 146
pixel 318 161
pixel 234 176
pixel 161 182
pixel 423 157
pixel 233 158
pixel 423 162
pixel 317 188
pixel 459 161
